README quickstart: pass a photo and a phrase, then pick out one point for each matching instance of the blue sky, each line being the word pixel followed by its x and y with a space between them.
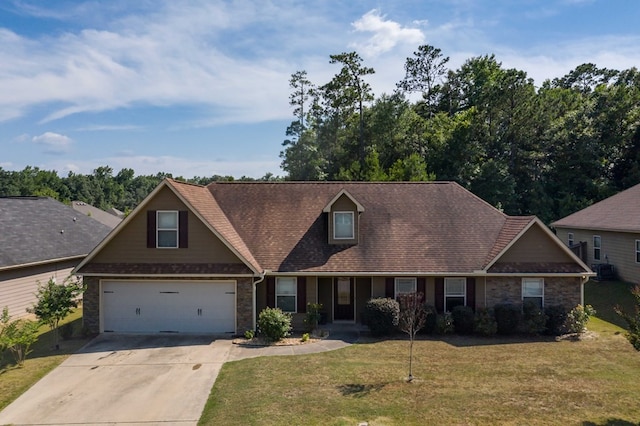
pixel 197 88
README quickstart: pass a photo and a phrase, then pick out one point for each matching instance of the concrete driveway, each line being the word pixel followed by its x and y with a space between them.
pixel 125 379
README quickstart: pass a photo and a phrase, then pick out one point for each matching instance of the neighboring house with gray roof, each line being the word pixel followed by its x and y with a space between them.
pixel 111 218
pixel 607 234
pixel 208 259
pixel 40 238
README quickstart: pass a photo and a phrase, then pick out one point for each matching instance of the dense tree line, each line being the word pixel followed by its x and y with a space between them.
pixel 101 189
pixel 548 150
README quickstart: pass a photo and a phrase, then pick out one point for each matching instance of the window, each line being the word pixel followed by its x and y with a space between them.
pixel 597 245
pixel 533 290
pixel 167 229
pixel 343 226
pixel 455 293
pixel 405 285
pixel 286 291
pixel 570 239
pixel 637 251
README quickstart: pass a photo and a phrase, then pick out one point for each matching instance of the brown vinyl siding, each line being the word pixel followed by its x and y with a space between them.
pixel 130 244
pixel 18 286
pixel 616 248
pixel 534 246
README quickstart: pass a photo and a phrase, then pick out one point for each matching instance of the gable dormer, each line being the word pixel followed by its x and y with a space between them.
pixel 343 214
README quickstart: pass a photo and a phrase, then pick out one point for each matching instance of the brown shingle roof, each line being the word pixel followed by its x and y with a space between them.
pixel 513 225
pixel 406 227
pixel 205 205
pixel 616 213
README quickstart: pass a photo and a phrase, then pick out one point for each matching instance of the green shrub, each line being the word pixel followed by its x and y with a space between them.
pixel 556 317
pixel 577 318
pixel 444 324
pixel 17 336
pixel 249 334
pixel 431 321
pixel 508 317
pixel 382 315
pixel 305 337
pixel 485 322
pixel 313 316
pixel 632 319
pixel 463 317
pixel 534 320
pixel 274 324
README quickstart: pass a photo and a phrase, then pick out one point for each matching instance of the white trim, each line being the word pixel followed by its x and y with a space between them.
pixel 353 229
pixel 395 285
pixel 176 213
pixel 541 280
pixel 570 239
pixel 359 207
pixel 295 294
pixel 599 248
pixel 141 207
pixel 553 237
pixel 464 290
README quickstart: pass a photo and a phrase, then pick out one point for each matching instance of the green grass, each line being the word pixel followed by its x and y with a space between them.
pixel 16 380
pixel 605 295
pixel 460 380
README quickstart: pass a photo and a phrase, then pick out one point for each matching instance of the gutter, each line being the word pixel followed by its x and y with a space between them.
pixel 253 308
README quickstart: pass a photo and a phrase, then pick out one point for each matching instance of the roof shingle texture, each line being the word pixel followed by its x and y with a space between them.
pixel 36 229
pixel 405 227
pixel 616 213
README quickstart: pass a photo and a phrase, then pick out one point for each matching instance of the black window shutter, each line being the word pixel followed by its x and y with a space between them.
pixel 389 287
pixel 302 294
pixel 183 227
pixel 151 229
pixel 271 292
pixel 439 295
pixel 471 293
pixel 422 287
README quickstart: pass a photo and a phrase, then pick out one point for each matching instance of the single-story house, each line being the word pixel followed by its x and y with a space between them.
pixel 41 239
pixel 208 259
pixel 607 235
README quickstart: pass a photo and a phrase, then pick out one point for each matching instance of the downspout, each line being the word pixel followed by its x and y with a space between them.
pixel 255 283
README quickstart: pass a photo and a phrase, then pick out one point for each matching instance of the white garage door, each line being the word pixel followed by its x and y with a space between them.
pixel 168 306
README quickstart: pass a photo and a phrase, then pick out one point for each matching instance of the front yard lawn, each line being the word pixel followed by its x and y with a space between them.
pixel 459 380
pixel 15 380
pixel 605 295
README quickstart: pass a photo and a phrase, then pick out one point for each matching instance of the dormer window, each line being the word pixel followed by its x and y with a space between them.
pixel 167 229
pixel 343 226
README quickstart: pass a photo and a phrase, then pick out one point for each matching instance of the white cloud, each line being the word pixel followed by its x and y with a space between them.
pixel 386 34
pixel 54 143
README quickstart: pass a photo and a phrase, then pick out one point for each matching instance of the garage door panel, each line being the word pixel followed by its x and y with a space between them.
pixel 168 306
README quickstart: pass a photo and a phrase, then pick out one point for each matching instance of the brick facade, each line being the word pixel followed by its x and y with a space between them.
pixel 91 304
pixel 557 291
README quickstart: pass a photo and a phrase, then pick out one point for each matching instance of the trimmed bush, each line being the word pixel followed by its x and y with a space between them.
pixel 508 317
pixel 556 317
pixel 534 320
pixel 577 318
pixel 382 315
pixel 274 324
pixel 463 317
pixel 431 322
pixel 445 324
pixel 485 322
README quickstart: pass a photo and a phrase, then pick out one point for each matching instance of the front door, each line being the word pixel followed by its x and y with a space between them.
pixel 343 299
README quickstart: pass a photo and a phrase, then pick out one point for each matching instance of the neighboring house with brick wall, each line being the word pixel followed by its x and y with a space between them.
pixel 208 259
pixel 607 235
pixel 40 239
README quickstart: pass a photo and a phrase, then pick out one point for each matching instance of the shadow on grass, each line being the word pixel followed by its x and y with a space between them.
pixel 358 390
pixel 45 347
pixel 612 422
